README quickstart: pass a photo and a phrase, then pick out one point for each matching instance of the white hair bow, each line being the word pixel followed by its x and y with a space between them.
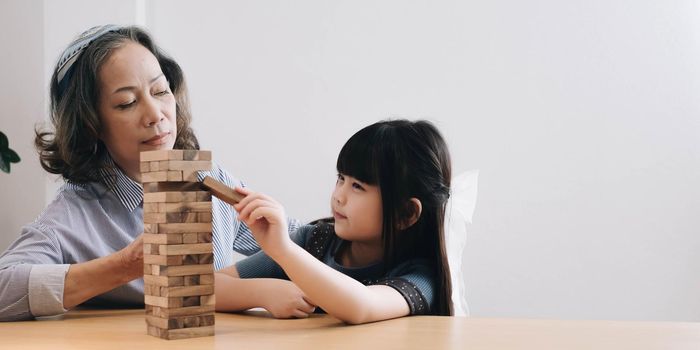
pixel 458 214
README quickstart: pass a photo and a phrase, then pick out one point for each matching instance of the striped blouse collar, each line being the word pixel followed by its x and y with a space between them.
pixel 128 191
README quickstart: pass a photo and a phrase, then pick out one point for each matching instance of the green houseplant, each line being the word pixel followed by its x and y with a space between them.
pixel 7 155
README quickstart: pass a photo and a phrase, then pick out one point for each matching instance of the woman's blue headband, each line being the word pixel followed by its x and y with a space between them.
pixel 71 54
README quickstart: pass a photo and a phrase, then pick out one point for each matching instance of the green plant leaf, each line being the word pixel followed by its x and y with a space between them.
pixel 11 156
pixel 4 165
pixel 3 141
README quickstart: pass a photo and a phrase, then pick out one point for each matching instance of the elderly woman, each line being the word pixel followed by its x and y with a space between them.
pixel 114 93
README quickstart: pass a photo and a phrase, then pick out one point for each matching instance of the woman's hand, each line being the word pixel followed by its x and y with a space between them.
pixel 131 258
pixel 92 278
pixel 266 219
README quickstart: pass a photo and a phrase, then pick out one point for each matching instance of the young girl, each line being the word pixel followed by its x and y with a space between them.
pixel 384 255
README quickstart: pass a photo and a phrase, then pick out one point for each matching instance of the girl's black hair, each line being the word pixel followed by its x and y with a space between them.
pixel 407 160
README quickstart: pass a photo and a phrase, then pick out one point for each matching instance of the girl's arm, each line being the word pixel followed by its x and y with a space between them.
pixel 339 295
pixel 282 298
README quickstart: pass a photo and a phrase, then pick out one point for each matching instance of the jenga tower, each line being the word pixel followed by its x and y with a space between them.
pixel 178 255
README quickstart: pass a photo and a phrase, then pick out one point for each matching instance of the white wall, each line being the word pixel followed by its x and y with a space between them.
pixel 581 115
pixel 34 33
pixel 21 105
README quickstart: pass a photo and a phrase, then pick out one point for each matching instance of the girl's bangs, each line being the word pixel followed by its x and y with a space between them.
pixel 358 157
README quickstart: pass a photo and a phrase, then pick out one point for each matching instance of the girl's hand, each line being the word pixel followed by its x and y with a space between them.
pixel 266 219
pixel 283 299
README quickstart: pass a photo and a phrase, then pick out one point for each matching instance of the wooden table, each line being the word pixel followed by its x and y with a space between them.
pixel 126 329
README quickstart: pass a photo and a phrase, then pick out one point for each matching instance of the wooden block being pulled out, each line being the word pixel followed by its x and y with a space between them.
pixel 223 192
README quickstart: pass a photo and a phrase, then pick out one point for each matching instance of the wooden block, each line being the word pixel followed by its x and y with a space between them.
pixel 185 249
pixel 187 291
pixel 183 311
pixel 145 167
pixel 164 302
pixel 148 156
pixel 150 228
pixel 190 259
pixel 175 175
pixel 170 197
pixel 181 207
pixel 172 218
pixel 182 333
pixel 206 279
pixel 206 258
pixel 175 154
pixel 190 175
pixel 220 190
pixel 172 187
pixel 154 176
pixel 206 300
pixel 193 332
pixel 151 290
pixel 191 301
pixel 185 227
pixel 154 166
pixel 183 217
pixel 180 322
pixel 185 270
pixel 169 260
pixel 156 332
pixel 154 218
pixel 204 207
pixel 190 238
pixel 204 217
pixel 203 196
pixel 200 165
pixel 163 280
pixel 163 238
pixel 196 155
pixel 192 280
pixel 147 269
pixel 204 237
pixel 151 207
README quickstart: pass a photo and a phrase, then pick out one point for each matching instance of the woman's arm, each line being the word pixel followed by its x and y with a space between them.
pixel 89 279
pixel 35 282
pixel 338 294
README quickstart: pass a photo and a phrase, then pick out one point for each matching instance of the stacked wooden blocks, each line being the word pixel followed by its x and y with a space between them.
pixel 178 255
